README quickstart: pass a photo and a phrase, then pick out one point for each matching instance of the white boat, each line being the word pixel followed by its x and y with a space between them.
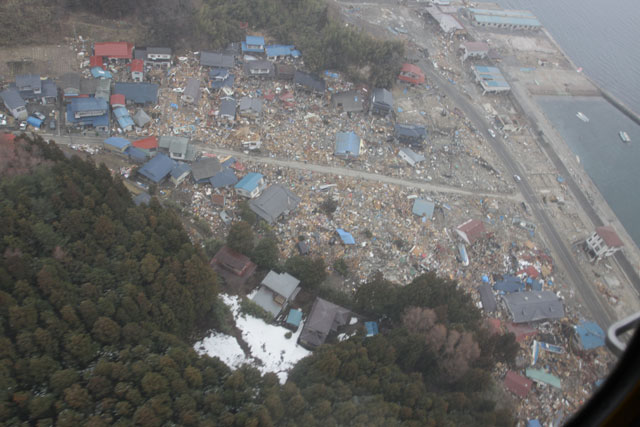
pixel 624 136
pixel 582 117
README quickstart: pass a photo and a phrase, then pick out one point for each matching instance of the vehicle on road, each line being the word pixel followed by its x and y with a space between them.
pixel 492 133
pixel 52 124
pixel 517 178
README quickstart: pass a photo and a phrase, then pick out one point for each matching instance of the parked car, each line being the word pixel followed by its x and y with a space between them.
pixel 39 115
pixel 517 178
pixel 23 125
pixel 492 133
pixel 52 124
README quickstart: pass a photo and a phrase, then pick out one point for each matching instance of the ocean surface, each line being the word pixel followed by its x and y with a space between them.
pixel 602 37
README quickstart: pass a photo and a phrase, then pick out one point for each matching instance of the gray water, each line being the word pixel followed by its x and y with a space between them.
pixel 602 37
pixel 611 163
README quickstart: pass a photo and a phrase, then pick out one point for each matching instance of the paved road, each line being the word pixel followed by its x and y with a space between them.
pixel 323 169
pixel 601 313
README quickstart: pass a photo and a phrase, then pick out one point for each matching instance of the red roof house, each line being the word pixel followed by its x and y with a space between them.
pixel 96 61
pixel 137 65
pixel 117 100
pixel 411 74
pixel 517 384
pixel 113 50
pixel 149 143
pixel 609 236
pixel 471 230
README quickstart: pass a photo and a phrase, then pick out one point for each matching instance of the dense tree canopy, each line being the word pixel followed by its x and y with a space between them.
pixel 100 301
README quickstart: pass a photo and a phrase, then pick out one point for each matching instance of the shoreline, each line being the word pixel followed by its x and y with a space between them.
pixel 585 184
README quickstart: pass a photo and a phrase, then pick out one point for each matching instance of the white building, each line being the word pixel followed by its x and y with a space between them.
pixel 602 243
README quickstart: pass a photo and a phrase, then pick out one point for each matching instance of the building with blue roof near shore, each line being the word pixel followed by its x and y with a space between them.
pixel 346 237
pixel 348 145
pixel 251 185
pixel 253 44
pixel 504 18
pixel 157 168
pixel 589 335
pixel 491 79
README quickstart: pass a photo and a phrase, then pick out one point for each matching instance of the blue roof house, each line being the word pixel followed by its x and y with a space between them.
pixel 135 154
pixel 224 178
pixel 251 185
pixel 125 122
pixel 423 208
pixel 180 172
pixel 117 144
pixel 348 145
pixel 275 51
pixel 372 328
pixel 254 44
pixel 346 237
pixel 509 284
pixel 157 168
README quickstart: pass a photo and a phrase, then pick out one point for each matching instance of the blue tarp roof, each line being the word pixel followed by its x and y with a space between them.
pixel 509 284
pixel 347 143
pixel 34 121
pixel 99 73
pixel 423 208
pixel 372 328
pixel 224 178
pixel 295 317
pixel 590 334
pixel 250 181
pixel 157 168
pixel 120 112
pixel 258 40
pixel 179 169
pixel 136 154
pixel 118 142
pixel 347 238
pixel 281 50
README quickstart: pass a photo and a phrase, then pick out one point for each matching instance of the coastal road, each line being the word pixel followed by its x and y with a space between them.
pixel 322 169
pixel 601 313
pixel 525 102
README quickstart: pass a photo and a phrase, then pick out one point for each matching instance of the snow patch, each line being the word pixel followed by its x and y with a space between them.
pixel 270 350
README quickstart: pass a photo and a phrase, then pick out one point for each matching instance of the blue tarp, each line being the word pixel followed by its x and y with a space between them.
pixel 224 178
pixel 372 328
pixel 99 73
pixel 249 182
pixel 509 284
pixel 34 121
pixel 590 334
pixel 157 168
pixel 423 208
pixel 347 238
pixel 294 318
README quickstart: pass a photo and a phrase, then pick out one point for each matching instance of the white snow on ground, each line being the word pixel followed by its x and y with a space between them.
pixel 267 343
pixel 225 347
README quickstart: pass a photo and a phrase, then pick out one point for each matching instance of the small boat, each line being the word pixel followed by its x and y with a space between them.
pixel 464 258
pixel 582 117
pixel 624 136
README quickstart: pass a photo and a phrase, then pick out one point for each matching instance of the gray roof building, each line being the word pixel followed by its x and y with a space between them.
pixel 216 59
pixel 350 101
pixel 192 91
pixel 12 98
pixel 489 303
pixel 176 146
pixel 227 108
pixel 261 67
pixel 140 118
pixel 274 202
pixel 205 168
pixel 276 291
pixel 410 156
pixel 533 306
pixel 325 317
pixel 138 93
pixel 382 101
pixel 250 106
pixel 88 86
pixel 70 83
pixel 29 83
pixel 103 89
pixel 310 82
